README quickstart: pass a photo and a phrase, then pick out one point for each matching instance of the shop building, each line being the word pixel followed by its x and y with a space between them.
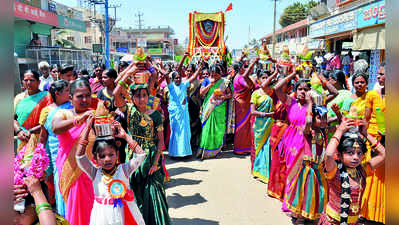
pixel 358 25
pixel 158 42
pixel 33 21
pixel 295 36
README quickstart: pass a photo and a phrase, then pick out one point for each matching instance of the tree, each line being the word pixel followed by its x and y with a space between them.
pixel 295 12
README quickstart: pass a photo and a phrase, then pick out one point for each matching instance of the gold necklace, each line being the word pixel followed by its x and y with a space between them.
pixel 107 178
pixel 352 172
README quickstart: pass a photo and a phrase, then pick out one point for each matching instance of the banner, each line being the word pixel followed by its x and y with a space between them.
pixel 28 12
pixel 371 14
pixel 72 24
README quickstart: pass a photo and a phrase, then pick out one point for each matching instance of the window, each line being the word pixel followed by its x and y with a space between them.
pixel 71 38
pixel 87 39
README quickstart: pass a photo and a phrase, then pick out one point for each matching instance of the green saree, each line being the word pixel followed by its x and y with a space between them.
pixel 213 119
pixel 148 189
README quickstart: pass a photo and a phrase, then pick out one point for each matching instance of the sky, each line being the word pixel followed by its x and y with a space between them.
pixel 249 19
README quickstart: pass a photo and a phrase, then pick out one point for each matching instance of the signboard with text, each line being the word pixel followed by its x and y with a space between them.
pixel 28 12
pixel 155 50
pixel 69 12
pixel 98 48
pixel 71 24
pixel 371 14
pixel 123 50
pixel 336 24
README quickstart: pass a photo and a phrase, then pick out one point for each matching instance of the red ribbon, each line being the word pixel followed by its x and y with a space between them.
pixel 129 219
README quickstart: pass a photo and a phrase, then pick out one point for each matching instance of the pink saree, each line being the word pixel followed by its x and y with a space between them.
pixel 75 186
pixel 243 140
pixel 293 142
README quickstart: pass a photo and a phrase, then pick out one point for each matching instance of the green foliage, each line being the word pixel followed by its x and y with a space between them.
pixel 295 13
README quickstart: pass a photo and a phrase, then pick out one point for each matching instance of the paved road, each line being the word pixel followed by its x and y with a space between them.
pixel 219 191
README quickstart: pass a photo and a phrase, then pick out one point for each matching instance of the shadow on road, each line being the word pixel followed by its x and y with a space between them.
pixel 180 170
pixel 194 221
pixel 180 181
pixel 171 160
pixel 230 154
pixel 176 200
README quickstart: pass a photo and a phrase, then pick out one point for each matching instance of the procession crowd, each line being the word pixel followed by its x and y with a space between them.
pixel 91 147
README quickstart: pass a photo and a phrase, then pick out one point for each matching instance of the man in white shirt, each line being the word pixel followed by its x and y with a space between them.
pixel 45 78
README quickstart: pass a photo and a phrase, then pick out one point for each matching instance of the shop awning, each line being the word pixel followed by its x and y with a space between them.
pixel 369 39
pixel 42 29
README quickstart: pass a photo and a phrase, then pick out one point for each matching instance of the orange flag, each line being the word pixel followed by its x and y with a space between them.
pixel 230 7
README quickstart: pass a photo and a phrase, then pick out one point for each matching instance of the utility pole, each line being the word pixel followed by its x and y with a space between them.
pixel 106 28
pixel 107 58
pixel 274 30
pixel 140 23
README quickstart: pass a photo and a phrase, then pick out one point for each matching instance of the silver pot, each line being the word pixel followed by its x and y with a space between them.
pixel 104 129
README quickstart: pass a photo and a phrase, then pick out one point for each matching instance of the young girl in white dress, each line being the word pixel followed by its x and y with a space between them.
pixel 114 203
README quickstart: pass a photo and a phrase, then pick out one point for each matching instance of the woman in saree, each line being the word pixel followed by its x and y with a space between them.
pixel 243 85
pixel 59 91
pixel 74 185
pixel 262 110
pixel 27 109
pixel 213 117
pixel 293 141
pixel 364 104
pixel 277 176
pixel 179 144
pixel 146 128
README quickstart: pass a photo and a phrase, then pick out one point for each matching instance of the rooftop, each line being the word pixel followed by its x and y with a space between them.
pixel 293 26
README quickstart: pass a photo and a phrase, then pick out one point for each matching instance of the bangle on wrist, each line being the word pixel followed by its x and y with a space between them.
pixel 42 207
pixel 83 142
pixel 18 130
pixel 335 138
pixel 374 146
pixel 123 84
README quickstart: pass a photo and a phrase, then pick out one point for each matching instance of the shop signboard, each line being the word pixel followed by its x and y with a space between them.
pixel 155 50
pixel 71 24
pixel 371 14
pixel 28 12
pixel 336 24
pixel 69 12
pixel 315 43
pixel 34 3
pixel 123 50
pixel 98 48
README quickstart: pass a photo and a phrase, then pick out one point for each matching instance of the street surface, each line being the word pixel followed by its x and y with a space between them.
pixel 219 192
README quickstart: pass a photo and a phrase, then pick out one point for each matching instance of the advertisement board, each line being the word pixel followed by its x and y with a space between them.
pixel 28 12
pixel 98 48
pixel 336 24
pixel 371 14
pixel 72 24
pixel 155 50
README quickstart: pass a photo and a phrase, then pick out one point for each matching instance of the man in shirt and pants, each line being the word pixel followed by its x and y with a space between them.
pixel 45 78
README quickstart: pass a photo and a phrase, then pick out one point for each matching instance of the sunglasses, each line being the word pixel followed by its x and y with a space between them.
pixel 246 66
pixel 381 74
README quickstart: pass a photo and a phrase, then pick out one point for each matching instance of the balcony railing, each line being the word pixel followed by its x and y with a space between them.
pixel 79 58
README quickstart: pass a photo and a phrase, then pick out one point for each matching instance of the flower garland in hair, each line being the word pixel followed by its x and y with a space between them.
pixel 34 163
